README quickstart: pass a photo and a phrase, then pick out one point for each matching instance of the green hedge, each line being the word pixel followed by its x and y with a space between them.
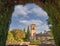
pixel 35 42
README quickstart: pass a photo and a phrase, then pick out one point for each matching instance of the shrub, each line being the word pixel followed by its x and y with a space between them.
pixel 35 42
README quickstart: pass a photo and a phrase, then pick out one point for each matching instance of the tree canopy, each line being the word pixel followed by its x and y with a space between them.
pixel 15 35
pixel 18 34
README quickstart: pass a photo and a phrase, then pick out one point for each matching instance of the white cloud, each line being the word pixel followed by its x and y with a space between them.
pixel 25 10
pixel 28 22
pixel 44 27
pixel 39 11
pixel 20 10
pixel 41 28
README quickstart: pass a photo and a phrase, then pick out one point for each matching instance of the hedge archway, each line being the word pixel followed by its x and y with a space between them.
pixel 52 7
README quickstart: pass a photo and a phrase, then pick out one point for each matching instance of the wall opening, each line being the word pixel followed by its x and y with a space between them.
pixel 23 17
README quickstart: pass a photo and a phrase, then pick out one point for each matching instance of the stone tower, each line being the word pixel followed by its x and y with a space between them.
pixel 33 32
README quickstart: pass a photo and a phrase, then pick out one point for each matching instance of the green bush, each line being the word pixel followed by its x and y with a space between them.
pixel 35 42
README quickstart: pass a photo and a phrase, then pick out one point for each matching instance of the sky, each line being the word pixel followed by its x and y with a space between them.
pixel 25 15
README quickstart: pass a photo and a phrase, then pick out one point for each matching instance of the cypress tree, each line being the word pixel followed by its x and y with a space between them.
pixel 28 33
pixel 24 30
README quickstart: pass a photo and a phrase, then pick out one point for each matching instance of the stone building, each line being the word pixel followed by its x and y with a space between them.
pixel 46 37
pixel 32 31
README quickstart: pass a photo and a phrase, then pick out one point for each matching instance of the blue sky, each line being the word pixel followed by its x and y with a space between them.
pixel 24 15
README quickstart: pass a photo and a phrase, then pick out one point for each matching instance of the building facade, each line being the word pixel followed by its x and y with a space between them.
pixel 32 31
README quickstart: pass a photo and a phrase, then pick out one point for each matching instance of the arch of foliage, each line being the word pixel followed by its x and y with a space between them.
pixel 52 7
